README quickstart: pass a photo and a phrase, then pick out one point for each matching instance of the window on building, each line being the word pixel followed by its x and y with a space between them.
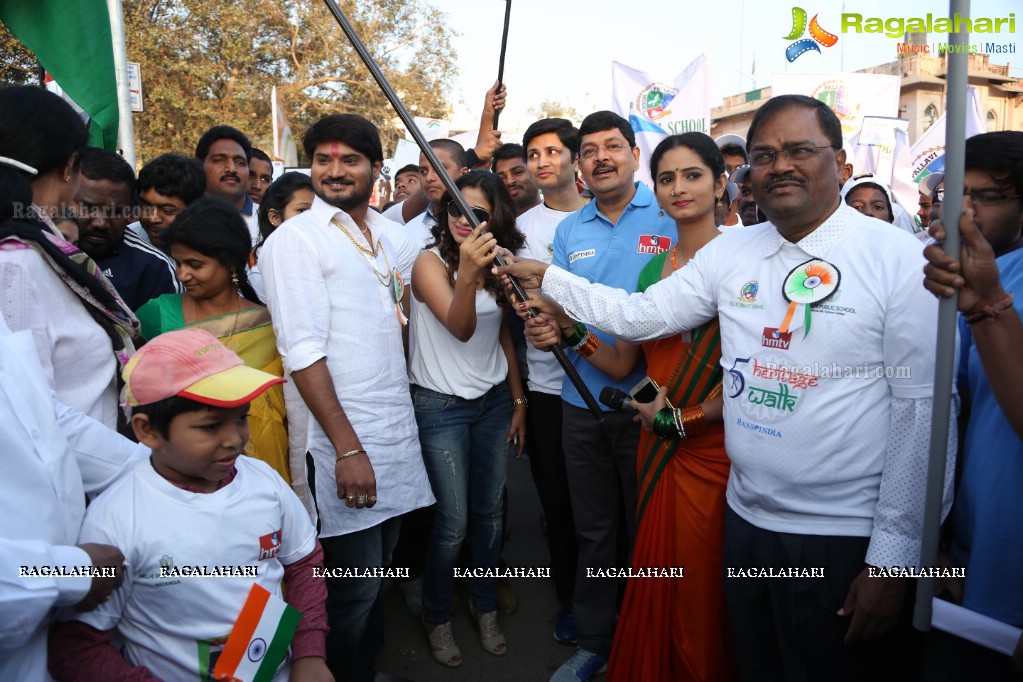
pixel 992 122
pixel 930 115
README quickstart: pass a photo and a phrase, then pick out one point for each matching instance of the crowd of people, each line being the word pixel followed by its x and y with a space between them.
pixel 206 368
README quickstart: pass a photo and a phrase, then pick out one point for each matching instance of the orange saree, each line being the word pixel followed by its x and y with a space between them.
pixel 676 628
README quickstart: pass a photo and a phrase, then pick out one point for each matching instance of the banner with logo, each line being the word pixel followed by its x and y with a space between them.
pixel 850 95
pixel 656 109
pixel 431 128
pixel 285 149
pixel 881 147
pixel 927 154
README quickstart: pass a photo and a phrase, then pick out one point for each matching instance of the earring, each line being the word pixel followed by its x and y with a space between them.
pixel 67 177
pixel 719 202
pixel 660 214
pixel 234 279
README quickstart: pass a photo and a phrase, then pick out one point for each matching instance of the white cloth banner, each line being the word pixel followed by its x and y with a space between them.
pixel 285 149
pixel 850 95
pixel 928 153
pixel 656 109
pixel 431 128
pixel 881 147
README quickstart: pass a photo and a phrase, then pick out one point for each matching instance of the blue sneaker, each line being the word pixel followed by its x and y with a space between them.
pixel 584 665
pixel 564 627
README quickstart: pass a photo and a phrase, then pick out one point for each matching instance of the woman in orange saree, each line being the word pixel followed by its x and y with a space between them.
pixel 676 628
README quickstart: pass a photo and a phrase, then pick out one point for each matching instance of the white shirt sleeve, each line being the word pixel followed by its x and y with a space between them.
pixel 394 213
pixel 26 602
pixel 102 453
pixel 680 302
pixel 297 296
pixel 898 517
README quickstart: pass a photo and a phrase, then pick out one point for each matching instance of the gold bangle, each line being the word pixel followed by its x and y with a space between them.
pixel 350 453
pixel 520 401
pixel 589 346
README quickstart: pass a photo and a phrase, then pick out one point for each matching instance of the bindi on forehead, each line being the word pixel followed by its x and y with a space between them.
pixel 335 149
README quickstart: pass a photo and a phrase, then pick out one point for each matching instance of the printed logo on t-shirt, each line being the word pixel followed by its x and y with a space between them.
pixel 653 244
pixel 773 338
pixel 748 296
pixel 269 545
pixel 579 255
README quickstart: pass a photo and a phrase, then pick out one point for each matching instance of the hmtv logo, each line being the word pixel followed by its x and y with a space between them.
pixel 804 45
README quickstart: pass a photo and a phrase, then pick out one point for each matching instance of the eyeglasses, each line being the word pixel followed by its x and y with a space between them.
pixel 981 197
pixel 762 158
pixel 482 214
pixel 613 149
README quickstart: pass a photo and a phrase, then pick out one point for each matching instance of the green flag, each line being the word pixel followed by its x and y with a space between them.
pixel 72 41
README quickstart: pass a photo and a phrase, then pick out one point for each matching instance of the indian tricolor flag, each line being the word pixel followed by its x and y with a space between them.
pixel 259 639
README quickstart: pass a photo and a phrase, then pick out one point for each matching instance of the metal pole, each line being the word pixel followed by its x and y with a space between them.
pixel 504 47
pixel 944 363
pixel 125 128
pixel 449 185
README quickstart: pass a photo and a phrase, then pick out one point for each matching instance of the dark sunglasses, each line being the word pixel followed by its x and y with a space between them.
pixel 482 214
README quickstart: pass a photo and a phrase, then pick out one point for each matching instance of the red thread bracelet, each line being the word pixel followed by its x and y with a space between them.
pixel 989 312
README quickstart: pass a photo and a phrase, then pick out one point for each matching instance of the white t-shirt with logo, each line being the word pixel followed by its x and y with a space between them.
pixel 176 626
pixel 539 224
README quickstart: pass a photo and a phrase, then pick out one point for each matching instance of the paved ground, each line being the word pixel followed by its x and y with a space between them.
pixel 533 654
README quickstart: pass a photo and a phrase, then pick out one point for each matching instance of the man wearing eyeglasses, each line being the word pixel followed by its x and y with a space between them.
pixel 608 241
pixel 827 339
pixel 985 534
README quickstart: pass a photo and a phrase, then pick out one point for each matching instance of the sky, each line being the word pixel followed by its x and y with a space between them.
pixel 562 50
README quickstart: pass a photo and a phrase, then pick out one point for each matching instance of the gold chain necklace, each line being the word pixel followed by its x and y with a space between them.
pixel 385 277
pixel 237 313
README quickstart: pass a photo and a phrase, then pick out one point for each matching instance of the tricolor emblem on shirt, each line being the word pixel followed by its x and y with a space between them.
pixel 259 640
pixel 269 545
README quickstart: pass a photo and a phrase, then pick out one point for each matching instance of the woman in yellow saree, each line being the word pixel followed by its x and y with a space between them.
pixel 210 244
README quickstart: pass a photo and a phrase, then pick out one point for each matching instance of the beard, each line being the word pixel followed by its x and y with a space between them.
pixel 346 197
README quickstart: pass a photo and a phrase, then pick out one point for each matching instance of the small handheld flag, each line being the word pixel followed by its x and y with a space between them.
pixel 259 640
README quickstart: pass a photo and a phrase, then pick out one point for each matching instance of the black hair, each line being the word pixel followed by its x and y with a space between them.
pixel 567 133
pixel 453 149
pixel 215 229
pixel 732 149
pixel 261 155
pixel 829 123
pixel 501 225
pixel 508 151
pixel 103 164
pixel 599 121
pixel 174 176
pixel 701 143
pixel 277 196
pixel 408 168
pixel 879 188
pixel 40 130
pixel 162 412
pixel 202 148
pixel 351 129
pixel 999 153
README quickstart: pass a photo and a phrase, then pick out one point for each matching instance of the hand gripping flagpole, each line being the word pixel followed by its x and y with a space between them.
pixel 449 185
pixel 504 48
pixel 944 365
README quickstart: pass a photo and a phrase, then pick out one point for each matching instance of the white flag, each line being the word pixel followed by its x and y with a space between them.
pixel 928 153
pixel 850 95
pixel 656 109
pixel 285 150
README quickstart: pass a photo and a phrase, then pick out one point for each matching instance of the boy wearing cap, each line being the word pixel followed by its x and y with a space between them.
pixel 197 503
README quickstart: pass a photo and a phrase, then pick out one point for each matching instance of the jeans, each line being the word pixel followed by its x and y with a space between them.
pixel 465 450
pixel 355 609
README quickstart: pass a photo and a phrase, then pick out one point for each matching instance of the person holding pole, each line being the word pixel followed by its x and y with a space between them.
pixel 827 403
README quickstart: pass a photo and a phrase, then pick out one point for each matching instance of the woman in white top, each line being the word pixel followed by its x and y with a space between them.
pixel 81 327
pixel 469 401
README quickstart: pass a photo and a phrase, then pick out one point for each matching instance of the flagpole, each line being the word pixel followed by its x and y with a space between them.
pixel 273 124
pixel 504 48
pixel 125 126
pixel 944 363
pixel 449 185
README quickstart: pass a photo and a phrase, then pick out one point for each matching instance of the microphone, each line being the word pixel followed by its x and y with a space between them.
pixel 616 399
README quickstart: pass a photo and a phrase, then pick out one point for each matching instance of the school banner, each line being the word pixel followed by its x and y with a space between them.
pixel 656 109
pixel 850 95
pixel 927 155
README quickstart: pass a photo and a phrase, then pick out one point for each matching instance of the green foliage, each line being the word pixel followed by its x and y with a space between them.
pixel 208 62
pixel 18 66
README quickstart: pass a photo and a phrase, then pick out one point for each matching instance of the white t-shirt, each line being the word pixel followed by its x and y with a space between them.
pixel 440 362
pixel 418 230
pixel 176 625
pixel 807 418
pixel 539 224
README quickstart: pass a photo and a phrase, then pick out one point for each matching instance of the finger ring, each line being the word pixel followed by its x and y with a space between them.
pixel 361 499
pixel 340 496
pixel 372 498
pixel 351 498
